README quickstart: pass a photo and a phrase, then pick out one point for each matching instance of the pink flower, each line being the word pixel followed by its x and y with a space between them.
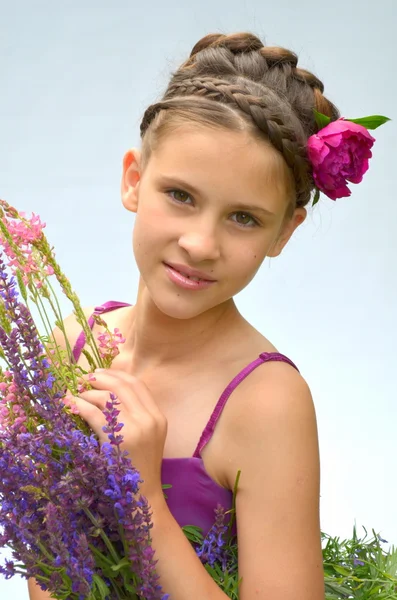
pixel 25 232
pixel 108 344
pixel 339 153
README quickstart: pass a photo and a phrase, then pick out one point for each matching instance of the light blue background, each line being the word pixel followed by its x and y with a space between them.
pixel 75 78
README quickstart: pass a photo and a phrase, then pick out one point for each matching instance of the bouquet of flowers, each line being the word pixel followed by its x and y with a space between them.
pixel 70 508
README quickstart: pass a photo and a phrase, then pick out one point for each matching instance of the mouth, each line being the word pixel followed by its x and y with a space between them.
pixel 188 281
pixel 189 273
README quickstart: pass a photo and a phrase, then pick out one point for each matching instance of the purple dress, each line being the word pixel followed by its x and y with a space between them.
pixel 194 495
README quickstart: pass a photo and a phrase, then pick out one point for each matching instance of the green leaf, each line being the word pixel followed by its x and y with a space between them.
pixel 166 486
pixel 129 587
pixel 193 533
pixel 371 122
pixel 123 563
pixel 341 570
pixel 101 587
pixel 100 560
pixel 316 197
pixel 321 120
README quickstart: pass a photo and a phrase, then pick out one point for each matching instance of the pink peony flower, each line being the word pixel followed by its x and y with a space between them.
pixel 339 153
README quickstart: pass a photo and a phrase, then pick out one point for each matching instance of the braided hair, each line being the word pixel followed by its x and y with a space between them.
pixel 235 81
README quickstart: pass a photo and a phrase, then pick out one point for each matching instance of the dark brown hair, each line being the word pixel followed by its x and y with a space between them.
pixel 234 81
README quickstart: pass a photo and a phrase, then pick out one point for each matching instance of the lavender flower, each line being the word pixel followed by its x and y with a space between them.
pixel 69 509
pixel 133 513
pixel 213 548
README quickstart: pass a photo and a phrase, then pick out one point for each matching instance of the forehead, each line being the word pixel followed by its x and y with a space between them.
pixel 223 162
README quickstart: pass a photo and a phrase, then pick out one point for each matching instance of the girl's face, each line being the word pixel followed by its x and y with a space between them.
pixel 210 199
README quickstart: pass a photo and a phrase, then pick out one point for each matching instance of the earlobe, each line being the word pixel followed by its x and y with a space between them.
pixel 130 179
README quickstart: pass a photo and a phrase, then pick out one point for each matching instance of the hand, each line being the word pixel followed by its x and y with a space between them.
pixel 145 426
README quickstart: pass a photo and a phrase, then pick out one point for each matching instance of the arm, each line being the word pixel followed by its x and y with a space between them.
pixel 280 555
pixel 274 442
pixel 36 593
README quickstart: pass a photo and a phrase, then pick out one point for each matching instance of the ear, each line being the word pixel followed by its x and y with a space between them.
pixel 286 232
pixel 130 179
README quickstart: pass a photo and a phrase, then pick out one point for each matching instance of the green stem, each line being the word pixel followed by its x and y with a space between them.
pixel 3 357
pixel 68 346
pixel 234 502
pixel 103 535
pixel 44 249
pixel 116 589
pixel 44 551
pixel 43 246
pixel 37 299
pixel 42 578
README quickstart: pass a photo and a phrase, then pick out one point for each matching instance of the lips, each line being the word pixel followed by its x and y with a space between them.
pixel 189 272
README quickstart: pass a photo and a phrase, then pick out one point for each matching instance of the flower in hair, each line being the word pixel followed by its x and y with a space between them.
pixel 340 152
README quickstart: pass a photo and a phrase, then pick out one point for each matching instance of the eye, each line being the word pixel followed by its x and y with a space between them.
pixel 246 220
pixel 243 219
pixel 179 196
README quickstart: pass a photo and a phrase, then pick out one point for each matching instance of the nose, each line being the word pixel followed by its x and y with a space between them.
pixel 200 244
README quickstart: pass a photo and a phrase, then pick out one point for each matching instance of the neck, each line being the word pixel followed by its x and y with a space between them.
pixel 155 340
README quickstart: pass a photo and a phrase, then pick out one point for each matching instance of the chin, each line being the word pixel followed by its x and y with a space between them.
pixel 181 305
pixel 182 311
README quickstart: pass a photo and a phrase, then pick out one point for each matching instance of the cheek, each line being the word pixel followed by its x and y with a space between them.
pixel 141 239
pixel 246 262
pixel 253 256
pixel 147 228
pixel 150 235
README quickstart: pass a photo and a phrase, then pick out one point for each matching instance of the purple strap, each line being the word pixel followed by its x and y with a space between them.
pixel 220 405
pixel 106 307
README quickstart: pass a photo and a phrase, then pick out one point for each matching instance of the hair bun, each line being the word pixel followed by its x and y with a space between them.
pixel 276 56
pixel 237 43
pixel 311 80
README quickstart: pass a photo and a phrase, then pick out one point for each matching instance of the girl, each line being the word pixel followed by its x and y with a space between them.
pixel 220 183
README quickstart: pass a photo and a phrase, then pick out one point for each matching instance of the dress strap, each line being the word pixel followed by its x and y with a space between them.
pixel 99 310
pixel 209 429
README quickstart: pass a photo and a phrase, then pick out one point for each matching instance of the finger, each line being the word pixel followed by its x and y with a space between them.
pixel 141 390
pixel 123 387
pixel 95 397
pixel 91 414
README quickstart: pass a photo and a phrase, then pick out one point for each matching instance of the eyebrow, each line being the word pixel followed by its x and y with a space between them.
pixel 255 208
pixel 190 188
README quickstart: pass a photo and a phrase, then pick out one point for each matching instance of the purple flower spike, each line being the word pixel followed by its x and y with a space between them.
pixel 213 547
pixel 64 499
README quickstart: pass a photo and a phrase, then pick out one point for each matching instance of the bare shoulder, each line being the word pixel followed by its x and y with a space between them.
pixel 272 389
pixel 273 400
pixel 273 441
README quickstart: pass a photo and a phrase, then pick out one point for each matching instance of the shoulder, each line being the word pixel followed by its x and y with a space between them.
pixel 274 390
pixel 273 441
pixel 274 413
pixel 273 408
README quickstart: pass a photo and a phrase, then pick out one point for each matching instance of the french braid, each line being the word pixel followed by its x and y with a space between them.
pixel 263 85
